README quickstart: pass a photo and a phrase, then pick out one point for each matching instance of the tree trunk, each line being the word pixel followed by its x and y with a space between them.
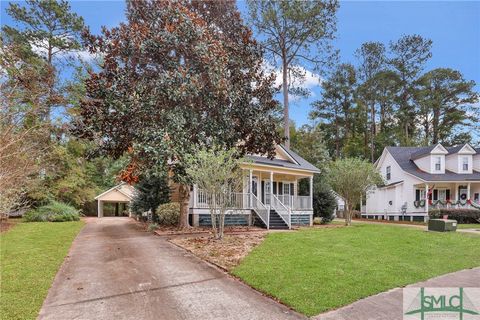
pixel 373 132
pixel 286 119
pixel 436 124
pixel 184 191
pixel 348 214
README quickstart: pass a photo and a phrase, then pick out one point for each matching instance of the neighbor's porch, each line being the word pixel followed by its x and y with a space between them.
pixel 451 195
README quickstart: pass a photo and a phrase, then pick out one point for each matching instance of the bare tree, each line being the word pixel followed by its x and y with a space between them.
pixel 217 173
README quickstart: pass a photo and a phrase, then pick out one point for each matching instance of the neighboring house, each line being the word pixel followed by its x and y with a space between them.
pixel 115 201
pixel 269 196
pixel 447 177
pixel 340 208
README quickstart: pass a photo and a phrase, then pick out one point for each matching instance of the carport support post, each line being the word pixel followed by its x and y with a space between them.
pixel 99 208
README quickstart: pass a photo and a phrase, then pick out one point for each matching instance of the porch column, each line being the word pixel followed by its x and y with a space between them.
pixel 250 191
pixel 295 201
pixel 194 195
pixel 427 197
pixel 311 192
pixel 271 186
pixel 468 193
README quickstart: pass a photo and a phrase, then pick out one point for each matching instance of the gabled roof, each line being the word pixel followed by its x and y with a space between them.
pixel 425 151
pixel 128 192
pixel 404 157
pixel 297 162
pixel 460 148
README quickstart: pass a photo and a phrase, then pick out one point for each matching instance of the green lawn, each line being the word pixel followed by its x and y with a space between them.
pixel 469 226
pixel 31 254
pixel 314 270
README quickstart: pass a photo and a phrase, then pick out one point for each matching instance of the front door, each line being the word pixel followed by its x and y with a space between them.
pixel 463 193
pixel 255 186
pixel 267 192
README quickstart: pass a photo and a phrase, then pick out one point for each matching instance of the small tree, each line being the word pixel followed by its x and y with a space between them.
pixel 217 173
pixel 350 178
pixel 152 191
pixel 324 202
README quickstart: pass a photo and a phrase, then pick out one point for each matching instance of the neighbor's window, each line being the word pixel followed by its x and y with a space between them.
pixel 465 163
pixel 389 172
pixel 438 163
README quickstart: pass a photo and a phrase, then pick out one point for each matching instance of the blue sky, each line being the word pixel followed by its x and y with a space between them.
pixel 453 26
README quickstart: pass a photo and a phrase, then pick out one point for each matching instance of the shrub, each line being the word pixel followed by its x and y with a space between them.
pixel 461 215
pixel 152 227
pixel 324 204
pixel 54 212
pixel 168 214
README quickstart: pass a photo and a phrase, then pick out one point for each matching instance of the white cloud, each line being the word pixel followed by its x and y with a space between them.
pixel 41 50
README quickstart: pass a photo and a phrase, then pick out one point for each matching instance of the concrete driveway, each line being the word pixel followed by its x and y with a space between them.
pixel 116 271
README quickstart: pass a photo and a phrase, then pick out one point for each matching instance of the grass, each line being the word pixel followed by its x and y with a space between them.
pixel 469 226
pixel 315 270
pixel 31 254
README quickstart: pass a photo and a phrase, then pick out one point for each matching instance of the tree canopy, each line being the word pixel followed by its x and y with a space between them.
pixel 173 81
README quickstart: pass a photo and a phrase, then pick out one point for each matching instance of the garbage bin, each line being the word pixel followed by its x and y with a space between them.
pixel 442 225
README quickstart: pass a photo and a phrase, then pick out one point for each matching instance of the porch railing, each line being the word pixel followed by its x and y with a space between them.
pixel 281 209
pixel 296 202
pixel 232 200
pixel 262 211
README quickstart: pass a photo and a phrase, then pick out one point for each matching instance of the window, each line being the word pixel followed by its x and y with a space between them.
pixel 438 163
pixel 465 163
pixel 389 172
pixel 419 194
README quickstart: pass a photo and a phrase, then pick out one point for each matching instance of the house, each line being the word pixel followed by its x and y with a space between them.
pixel 269 196
pixel 115 201
pixel 418 179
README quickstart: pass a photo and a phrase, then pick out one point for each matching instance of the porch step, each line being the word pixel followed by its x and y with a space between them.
pixel 276 222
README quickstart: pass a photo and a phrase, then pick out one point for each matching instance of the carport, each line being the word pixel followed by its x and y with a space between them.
pixel 116 199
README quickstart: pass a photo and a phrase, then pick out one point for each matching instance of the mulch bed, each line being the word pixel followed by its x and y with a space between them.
pixel 226 253
pixel 163 230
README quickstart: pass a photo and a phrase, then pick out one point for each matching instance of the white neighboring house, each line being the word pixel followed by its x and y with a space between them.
pixel 447 177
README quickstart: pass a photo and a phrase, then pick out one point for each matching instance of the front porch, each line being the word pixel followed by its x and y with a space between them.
pixel 448 195
pixel 268 198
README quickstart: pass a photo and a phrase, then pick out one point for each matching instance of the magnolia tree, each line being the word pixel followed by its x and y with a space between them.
pixel 177 75
pixel 217 173
pixel 351 178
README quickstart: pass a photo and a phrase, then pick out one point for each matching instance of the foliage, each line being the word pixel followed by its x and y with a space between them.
pixel 32 253
pixel 168 214
pixel 386 99
pixel 217 173
pixel 324 203
pixel 152 227
pixel 187 78
pixel 325 264
pixel 461 215
pixel 350 178
pixel 444 100
pixel 50 29
pixel 295 33
pixel 53 212
pixel 152 191
pixel 309 142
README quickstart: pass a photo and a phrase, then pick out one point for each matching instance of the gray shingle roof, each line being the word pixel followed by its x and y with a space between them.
pixel 403 156
pixel 302 163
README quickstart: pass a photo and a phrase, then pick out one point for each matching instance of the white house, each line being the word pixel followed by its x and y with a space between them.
pixel 269 196
pixel 447 177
